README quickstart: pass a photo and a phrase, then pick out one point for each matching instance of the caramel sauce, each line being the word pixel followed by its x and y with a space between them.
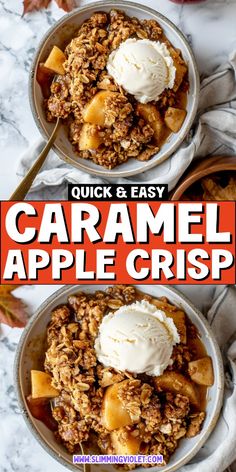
pixel 181 99
pixel 41 410
pixel 198 351
pixel 44 77
pixel 165 135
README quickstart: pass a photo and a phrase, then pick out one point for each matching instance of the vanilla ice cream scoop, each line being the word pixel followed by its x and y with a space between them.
pixel 143 68
pixel 138 338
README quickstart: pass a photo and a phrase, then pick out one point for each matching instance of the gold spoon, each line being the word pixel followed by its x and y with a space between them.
pixel 86 467
pixel 23 188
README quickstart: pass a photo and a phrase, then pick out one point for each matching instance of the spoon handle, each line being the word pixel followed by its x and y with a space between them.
pixel 86 467
pixel 24 186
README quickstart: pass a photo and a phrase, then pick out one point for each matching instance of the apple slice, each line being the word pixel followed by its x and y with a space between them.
pixel 152 116
pixel 56 60
pixel 201 371
pixel 175 382
pixel 89 137
pixel 124 442
pixel 41 386
pixel 174 118
pixel 94 111
pixel 114 414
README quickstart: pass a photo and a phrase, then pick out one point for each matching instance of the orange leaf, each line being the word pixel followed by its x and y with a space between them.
pixel 31 5
pixel 67 5
pixel 12 309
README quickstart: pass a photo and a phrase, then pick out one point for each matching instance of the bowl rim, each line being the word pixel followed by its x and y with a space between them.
pixel 100 171
pixel 197 173
pixel 19 393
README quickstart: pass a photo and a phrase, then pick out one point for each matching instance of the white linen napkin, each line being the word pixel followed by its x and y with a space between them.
pixel 214 132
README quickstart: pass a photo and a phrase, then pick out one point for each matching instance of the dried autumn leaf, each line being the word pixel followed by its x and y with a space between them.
pixel 67 5
pixel 31 5
pixel 12 309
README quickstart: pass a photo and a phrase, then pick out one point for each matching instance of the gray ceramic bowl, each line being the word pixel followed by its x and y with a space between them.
pixel 30 355
pixel 60 34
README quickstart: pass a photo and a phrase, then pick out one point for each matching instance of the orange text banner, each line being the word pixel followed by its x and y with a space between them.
pixel 117 242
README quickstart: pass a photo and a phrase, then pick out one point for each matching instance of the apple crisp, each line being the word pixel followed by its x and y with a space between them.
pixel 120 412
pixel 106 124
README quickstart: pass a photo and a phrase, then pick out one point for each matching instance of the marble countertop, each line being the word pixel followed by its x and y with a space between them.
pixel 209 26
pixel 19 450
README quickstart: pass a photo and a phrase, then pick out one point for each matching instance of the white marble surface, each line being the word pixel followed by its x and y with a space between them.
pixel 19 450
pixel 209 26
